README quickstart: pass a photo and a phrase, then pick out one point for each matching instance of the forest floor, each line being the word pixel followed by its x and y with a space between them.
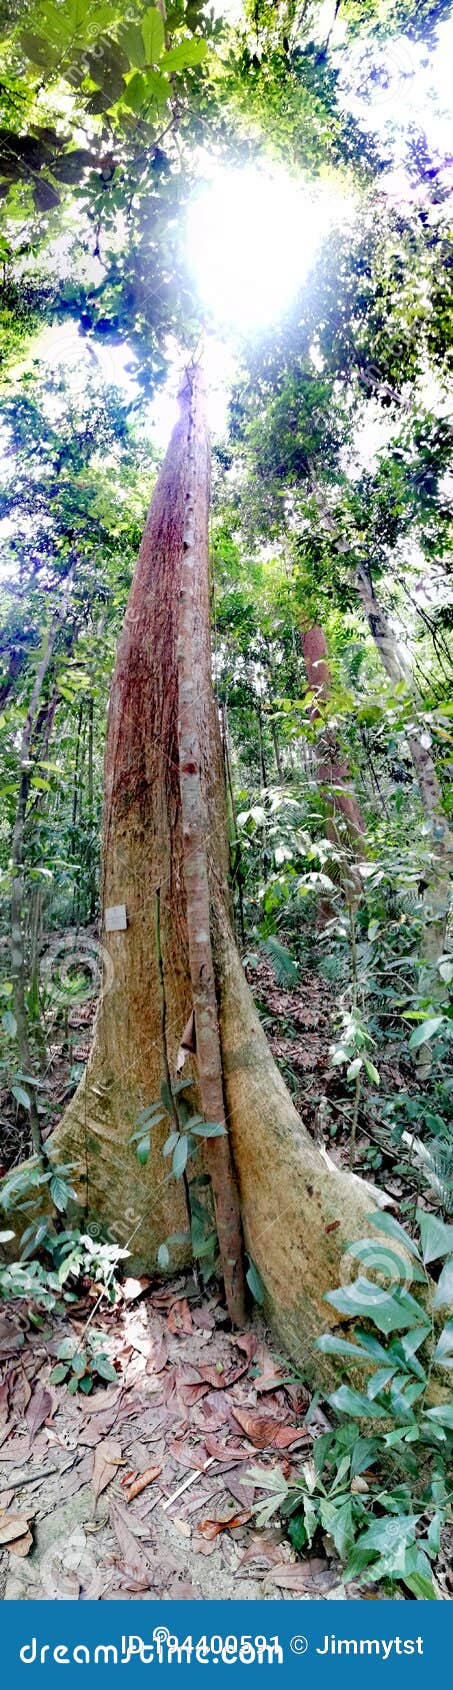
pixel 94 1498
pixel 193 1402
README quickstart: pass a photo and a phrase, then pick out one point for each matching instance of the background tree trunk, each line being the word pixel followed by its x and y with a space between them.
pixel 438 894
pixel 298 1212
pixel 334 775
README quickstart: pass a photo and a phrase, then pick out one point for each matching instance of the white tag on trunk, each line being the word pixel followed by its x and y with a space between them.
pixel 116 918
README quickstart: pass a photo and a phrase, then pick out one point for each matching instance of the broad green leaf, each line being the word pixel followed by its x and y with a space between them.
pixel 153 35
pixel 389 1261
pixel 104 1367
pixel 143 1149
pixel 443 1295
pixel 163 1256
pixel 59 1373
pixel 37 49
pixel 9 1023
pixel 363 1455
pixel 390 1313
pixel 392 1533
pixel 170 1142
pixel 372 1071
pixel 79 1363
pixel 331 1346
pixel 180 58
pixel 131 40
pixel 386 1223
pixel 421 1586
pixel 66 1349
pixel 61 1192
pixel 209 1129
pixel 412 1341
pixel 444 1347
pixel 180 1155
pixel 355 1068
pixel 347 1401
pixel 135 92
pixel 371 1345
pixel 443 1416
pixel 21 1096
pixel 379 1381
pixel 152 1115
pixel 434 1531
pixel 157 87
pixel 427 1030
pixel 436 1236
pixel 255 1283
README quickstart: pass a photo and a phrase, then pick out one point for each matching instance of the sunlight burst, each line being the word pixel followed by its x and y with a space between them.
pixel 252 237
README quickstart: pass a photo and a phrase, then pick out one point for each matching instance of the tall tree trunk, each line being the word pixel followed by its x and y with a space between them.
pixel 333 771
pixel 196 714
pixel 18 958
pixel 259 717
pixel 235 843
pixel 438 895
pixel 166 849
pixel 91 876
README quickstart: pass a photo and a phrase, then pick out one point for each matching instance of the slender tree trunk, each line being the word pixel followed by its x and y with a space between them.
pixel 333 771
pixel 18 959
pixel 165 838
pixel 263 770
pixel 75 789
pixel 90 818
pixel 236 844
pixel 438 896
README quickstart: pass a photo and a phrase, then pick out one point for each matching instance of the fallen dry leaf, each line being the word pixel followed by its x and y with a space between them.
pixel 102 1400
pixel 224 1452
pixel 293 1575
pixel 131 1550
pixel 218 1378
pixel 261 1550
pixel 107 1457
pixel 245 1341
pixel 179 1318
pixel 37 1411
pixel 141 1482
pixel 21 1545
pixel 158 1356
pixel 212 1528
pixel 132 1288
pixel 192 1393
pixel 5 1392
pixel 268 1434
pixel 182 1526
pixel 12 1526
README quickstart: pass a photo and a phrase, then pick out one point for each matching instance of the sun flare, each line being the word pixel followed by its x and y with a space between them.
pixel 252 236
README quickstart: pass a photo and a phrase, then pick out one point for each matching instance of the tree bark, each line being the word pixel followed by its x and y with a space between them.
pixel 195 704
pixel 163 732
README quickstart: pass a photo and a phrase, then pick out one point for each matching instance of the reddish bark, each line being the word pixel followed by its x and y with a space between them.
pixel 194 677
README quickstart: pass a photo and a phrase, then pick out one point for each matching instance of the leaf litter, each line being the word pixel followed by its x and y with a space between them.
pixel 143 1489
